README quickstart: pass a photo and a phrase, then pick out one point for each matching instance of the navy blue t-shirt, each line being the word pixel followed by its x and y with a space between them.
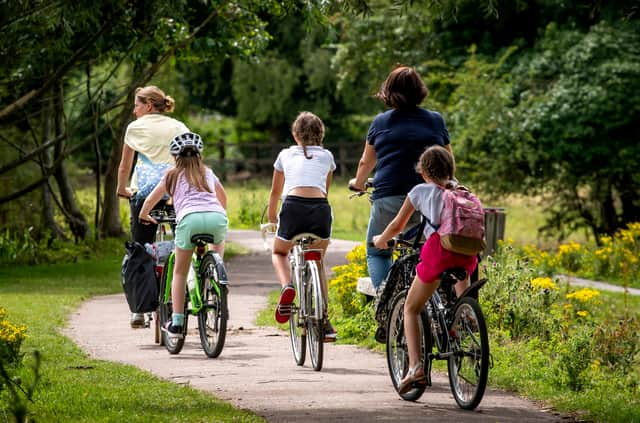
pixel 399 137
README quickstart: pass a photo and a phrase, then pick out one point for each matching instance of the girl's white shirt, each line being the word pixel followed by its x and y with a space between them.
pixel 302 172
pixel 427 199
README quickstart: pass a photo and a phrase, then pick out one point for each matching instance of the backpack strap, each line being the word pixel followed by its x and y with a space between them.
pixel 425 219
pixel 416 230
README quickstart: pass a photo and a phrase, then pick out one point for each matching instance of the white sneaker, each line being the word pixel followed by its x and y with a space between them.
pixel 137 320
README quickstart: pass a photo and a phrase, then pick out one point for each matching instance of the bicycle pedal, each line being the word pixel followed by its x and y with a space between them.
pixel 285 310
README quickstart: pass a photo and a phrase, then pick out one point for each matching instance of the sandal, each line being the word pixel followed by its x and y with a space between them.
pixel 284 309
pixel 412 380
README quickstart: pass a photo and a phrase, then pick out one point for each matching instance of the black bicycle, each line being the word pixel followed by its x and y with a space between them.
pixel 451 328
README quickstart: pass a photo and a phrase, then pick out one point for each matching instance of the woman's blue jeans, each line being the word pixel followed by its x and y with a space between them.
pixel 383 210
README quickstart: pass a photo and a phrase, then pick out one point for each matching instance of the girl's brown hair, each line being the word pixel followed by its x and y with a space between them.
pixel 156 97
pixel 438 164
pixel 191 165
pixel 402 89
pixel 308 130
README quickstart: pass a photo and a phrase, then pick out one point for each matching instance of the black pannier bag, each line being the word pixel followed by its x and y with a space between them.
pixel 138 279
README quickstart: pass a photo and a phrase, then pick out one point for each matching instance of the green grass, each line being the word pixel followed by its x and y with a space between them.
pixel 266 317
pixel 75 387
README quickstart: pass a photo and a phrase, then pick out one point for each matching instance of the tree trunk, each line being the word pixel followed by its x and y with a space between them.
pixel 48 220
pixel 629 199
pixel 75 218
pixel 110 224
pixel 609 222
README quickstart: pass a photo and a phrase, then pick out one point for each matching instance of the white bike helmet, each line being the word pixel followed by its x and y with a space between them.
pixel 186 141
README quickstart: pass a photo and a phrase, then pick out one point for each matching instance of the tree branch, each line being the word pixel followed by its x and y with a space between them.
pixel 22 101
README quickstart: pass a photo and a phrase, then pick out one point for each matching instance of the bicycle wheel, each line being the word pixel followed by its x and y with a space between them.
pixel 212 317
pixel 397 353
pixel 469 364
pixel 174 346
pixel 314 307
pixel 296 321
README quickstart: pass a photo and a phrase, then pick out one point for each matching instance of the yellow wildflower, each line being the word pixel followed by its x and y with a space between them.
pixel 583 295
pixel 543 283
pixel 582 313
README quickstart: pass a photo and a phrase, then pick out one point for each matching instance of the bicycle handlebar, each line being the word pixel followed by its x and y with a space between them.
pixel 267 228
pixel 396 241
pixel 163 215
pixel 368 184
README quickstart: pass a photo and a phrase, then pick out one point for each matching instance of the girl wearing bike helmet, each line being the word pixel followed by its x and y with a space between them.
pixel 200 202
pixel 437 167
pixel 301 178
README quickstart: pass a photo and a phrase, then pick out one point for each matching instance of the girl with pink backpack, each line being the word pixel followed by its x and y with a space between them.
pixel 437 200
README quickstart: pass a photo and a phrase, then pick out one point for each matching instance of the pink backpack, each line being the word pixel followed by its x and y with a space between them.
pixel 462 222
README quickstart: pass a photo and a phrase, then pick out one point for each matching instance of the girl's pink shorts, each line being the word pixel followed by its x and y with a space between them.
pixel 434 260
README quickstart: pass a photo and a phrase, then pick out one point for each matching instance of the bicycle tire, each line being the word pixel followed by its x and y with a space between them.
pixel 468 370
pixel 296 321
pixel 212 317
pixel 174 346
pixel 396 346
pixel 314 307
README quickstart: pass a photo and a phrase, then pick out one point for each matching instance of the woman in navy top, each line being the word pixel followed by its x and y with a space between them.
pixel 395 141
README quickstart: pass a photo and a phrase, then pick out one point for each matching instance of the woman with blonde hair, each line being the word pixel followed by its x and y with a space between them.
pixel 148 136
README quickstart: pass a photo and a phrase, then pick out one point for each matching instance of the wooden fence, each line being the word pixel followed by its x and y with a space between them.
pixel 242 161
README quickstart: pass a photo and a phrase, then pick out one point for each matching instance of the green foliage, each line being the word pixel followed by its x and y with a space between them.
pixel 345 280
pixel 22 248
pixel 11 338
pixel 571 326
pixel 18 392
pixel 548 340
pixel 272 80
pixel 615 260
pixel 563 125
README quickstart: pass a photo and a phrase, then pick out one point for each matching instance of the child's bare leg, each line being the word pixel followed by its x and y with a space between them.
pixel 461 286
pixel 418 294
pixel 280 260
pixel 218 248
pixel 180 270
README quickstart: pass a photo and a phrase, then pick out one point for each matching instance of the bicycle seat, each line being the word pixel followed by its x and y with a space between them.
pixel 451 276
pixel 309 235
pixel 202 238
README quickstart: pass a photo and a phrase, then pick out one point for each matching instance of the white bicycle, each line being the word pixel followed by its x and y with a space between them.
pixel 309 312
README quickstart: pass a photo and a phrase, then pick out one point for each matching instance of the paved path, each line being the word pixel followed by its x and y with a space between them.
pixel 602 286
pixel 256 370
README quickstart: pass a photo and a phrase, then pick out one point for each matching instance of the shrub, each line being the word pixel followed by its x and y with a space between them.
pixel 345 281
pixel 11 337
pixel 616 259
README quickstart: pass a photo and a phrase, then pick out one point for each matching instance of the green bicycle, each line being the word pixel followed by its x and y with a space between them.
pixel 206 294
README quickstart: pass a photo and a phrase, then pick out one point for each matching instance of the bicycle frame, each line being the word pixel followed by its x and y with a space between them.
pixel 298 256
pixel 194 295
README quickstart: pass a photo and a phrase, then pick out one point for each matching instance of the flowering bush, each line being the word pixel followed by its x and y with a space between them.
pixel 569 325
pixel 571 334
pixel 345 282
pixel 616 259
pixel 11 337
